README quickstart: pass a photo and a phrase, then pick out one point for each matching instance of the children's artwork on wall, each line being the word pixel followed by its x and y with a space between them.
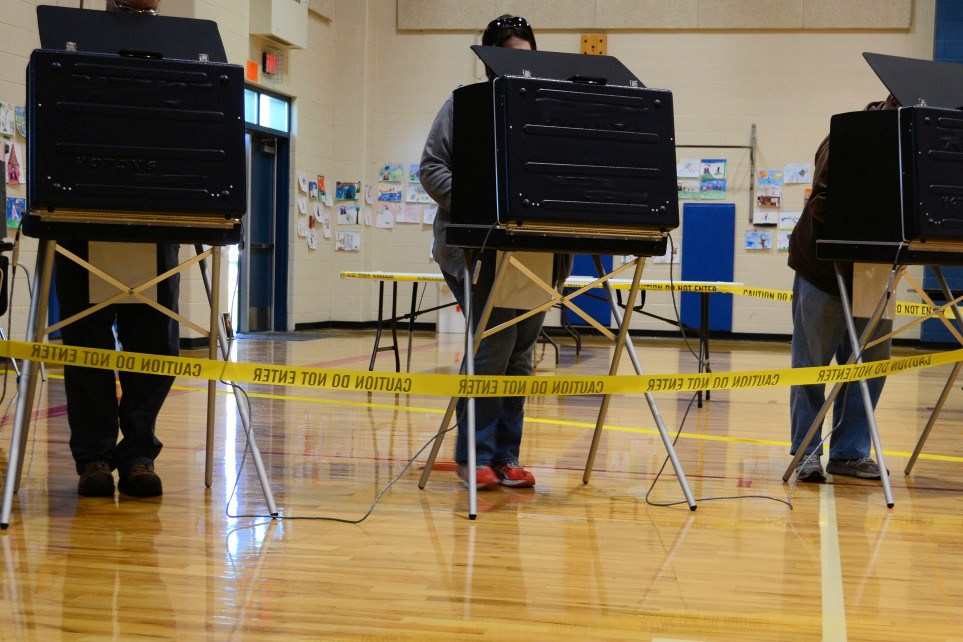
pixel 318 212
pixel 687 168
pixel 672 255
pixel 392 172
pixel 322 188
pixel 302 204
pixel 14 162
pixel 770 178
pixel 326 225
pixel 368 219
pixel 413 175
pixel 8 119
pixel 758 240
pixel 411 214
pixel 788 220
pixel 347 241
pixel 764 217
pixel 303 226
pixel 313 239
pixel 21 120
pixel 345 191
pixel 713 189
pixel 348 214
pixel 303 181
pixel 689 187
pixel 798 173
pixel 385 217
pixel 313 190
pixel 16 206
pixel 429 213
pixel 807 194
pixel 769 196
pixel 769 188
pixel 417 194
pixel 369 194
pixel 782 241
pixel 713 168
pixel 389 191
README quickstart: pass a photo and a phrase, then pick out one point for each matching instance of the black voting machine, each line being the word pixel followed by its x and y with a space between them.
pixel 135 134
pixel 562 152
pixel 896 176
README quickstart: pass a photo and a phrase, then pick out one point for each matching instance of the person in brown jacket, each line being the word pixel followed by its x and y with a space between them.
pixel 819 334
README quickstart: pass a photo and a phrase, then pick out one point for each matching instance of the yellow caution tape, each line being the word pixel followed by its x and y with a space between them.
pixel 903 308
pixel 454 385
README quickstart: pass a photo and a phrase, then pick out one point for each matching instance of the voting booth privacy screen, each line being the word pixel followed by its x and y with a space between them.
pixel 895 174
pixel 557 156
pixel 133 138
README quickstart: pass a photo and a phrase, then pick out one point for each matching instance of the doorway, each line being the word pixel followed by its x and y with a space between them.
pixel 260 265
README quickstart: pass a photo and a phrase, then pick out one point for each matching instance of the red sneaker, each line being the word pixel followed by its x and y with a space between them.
pixel 484 476
pixel 512 474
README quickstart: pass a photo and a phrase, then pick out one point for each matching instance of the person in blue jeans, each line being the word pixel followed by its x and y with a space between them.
pixel 498 420
pixel 819 334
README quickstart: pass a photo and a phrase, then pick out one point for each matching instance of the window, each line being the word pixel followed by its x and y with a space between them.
pixel 267 110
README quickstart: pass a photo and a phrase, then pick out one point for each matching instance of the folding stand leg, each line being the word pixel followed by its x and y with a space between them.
pixel 470 405
pixel 28 383
pixel 950 381
pixel 13 362
pixel 411 322
pixel 212 285
pixel 613 368
pixel 704 340
pixel 472 341
pixel 871 419
pixel 864 389
pixel 649 397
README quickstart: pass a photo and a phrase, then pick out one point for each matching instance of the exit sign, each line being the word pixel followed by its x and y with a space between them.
pixel 270 64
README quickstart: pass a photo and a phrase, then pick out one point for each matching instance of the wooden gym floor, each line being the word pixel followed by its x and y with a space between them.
pixel 562 561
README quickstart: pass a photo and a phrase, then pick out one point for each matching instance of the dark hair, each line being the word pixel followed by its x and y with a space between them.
pixel 504 27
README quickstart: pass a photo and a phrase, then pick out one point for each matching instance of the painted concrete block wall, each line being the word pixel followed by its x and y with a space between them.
pixel 365 92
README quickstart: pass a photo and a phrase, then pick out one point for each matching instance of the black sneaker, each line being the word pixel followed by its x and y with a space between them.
pixel 810 470
pixel 864 468
pixel 96 480
pixel 140 480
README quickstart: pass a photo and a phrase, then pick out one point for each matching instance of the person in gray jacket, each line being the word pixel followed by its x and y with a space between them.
pixel 498 420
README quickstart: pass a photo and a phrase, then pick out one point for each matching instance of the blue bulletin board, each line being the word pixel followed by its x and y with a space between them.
pixel 708 242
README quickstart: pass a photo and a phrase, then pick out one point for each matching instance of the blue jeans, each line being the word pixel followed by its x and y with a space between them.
pixel 498 420
pixel 818 334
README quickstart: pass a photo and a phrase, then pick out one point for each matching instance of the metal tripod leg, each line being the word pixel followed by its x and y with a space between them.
pixel 856 343
pixel 217 321
pixel 614 367
pixel 864 389
pixel 26 275
pixel 950 381
pixel 13 362
pixel 472 341
pixel 27 385
pixel 649 398
pixel 470 404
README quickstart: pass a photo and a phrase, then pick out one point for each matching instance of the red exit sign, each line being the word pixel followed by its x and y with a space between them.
pixel 270 64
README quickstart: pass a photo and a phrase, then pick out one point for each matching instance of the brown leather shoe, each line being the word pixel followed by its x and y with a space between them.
pixel 140 480
pixel 96 480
